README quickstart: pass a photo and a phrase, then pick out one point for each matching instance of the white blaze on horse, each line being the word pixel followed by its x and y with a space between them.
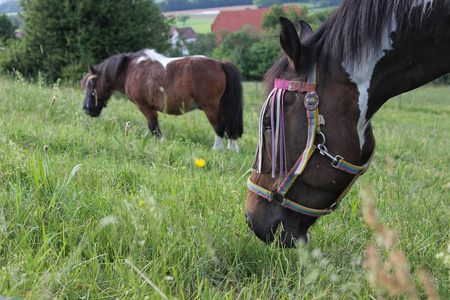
pixel 156 83
pixel 315 127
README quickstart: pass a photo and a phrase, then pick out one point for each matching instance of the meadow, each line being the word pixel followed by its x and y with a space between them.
pixel 198 24
pixel 90 212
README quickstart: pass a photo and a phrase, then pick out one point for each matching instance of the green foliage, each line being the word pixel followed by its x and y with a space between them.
pixel 236 47
pixel 183 18
pixel 176 50
pixel 204 44
pixel 6 28
pixel 63 37
pixel 266 3
pixel 294 13
pixel 318 18
pixel 175 5
pixel 76 214
pixel 269 3
pixel 326 3
pixel 261 56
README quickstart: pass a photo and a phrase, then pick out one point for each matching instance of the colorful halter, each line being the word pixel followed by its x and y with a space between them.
pixel 311 102
pixel 90 92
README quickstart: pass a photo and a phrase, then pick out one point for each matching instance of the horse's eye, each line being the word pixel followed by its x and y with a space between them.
pixel 266 123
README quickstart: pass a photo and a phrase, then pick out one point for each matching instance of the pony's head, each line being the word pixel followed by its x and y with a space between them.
pixel 299 172
pixel 96 95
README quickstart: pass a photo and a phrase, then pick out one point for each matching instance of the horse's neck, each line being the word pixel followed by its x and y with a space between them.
pixel 116 83
pixel 416 58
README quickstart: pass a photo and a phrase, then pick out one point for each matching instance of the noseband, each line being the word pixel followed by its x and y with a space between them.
pixel 311 103
pixel 91 92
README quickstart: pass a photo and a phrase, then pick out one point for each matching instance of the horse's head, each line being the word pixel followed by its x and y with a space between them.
pixel 299 171
pixel 96 95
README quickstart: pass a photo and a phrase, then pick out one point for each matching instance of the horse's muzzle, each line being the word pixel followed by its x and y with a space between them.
pixel 92 111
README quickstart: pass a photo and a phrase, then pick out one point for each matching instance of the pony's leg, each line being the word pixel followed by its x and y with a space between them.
pixel 218 143
pixel 232 145
pixel 152 118
pixel 217 124
pixel 153 125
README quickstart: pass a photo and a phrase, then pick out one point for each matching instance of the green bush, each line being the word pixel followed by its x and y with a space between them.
pixel 63 37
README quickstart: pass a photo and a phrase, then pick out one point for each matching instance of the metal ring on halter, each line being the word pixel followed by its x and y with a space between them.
pixel 311 101
pixel 323 140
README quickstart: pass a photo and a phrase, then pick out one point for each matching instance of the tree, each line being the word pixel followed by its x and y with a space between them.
pixel 266 3
pixel 294 13
pixel 204 44
pixel 260 57
pixel 63 37
pixel 249 52
pixel 6 28
pixel 183 18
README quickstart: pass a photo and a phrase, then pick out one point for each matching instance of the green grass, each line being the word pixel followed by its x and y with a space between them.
pixel 200 25
pixel 76 218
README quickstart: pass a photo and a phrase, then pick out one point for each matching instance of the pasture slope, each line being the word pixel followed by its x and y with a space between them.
pixel 88 212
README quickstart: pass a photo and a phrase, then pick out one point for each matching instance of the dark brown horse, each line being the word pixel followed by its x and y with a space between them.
pixel 156 83
pixel 315 130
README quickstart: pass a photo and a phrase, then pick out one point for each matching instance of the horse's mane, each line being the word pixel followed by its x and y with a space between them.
pixel 113 65
pixel 356 30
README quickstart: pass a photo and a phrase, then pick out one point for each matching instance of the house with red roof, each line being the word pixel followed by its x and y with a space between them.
pixel 235 20
pixel 182 35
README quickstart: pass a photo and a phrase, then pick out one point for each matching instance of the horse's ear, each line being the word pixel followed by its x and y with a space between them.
pixel 305 30
pixel 290 42
pixel 92 70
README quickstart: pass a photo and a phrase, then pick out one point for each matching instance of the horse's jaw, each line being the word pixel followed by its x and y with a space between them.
pixel 270 221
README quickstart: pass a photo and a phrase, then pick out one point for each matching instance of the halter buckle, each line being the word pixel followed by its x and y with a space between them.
pixel 311 101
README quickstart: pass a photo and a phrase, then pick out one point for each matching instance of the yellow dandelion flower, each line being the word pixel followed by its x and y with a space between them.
pixel 200 163
pixel 142 203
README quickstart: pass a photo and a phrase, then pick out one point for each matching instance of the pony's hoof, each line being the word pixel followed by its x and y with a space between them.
pixel 218 148
pixel 232 145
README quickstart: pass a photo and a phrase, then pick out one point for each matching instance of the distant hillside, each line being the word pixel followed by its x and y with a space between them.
pixel 176 5
pixel 9 6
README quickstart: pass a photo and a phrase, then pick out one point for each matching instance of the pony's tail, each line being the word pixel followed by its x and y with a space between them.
pixel 231 102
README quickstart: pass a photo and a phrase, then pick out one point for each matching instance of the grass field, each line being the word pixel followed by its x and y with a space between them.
pixel 88 212
pixel 200 25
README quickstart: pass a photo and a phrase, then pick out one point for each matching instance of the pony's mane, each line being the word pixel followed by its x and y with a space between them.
pixel 113 64
pixel 356 30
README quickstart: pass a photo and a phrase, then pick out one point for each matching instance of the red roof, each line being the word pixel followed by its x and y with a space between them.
pixel 235 20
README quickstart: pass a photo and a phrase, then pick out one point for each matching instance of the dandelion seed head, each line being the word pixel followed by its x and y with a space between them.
pixel 127 127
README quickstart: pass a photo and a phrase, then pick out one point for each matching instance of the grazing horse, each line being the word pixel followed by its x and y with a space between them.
pixel 156 83
pixel 312 150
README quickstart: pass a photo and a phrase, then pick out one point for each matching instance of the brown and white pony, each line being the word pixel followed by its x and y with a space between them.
pixel 315 127
pixel 156 83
